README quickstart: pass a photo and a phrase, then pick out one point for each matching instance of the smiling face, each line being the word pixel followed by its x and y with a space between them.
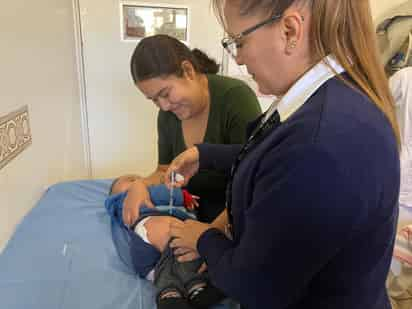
pixel 183 96
pixel 170 94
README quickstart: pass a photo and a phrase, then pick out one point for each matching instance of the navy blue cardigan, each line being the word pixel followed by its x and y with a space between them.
pixel 314 209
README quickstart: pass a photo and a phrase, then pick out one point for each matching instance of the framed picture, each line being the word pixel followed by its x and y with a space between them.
pixel 141 20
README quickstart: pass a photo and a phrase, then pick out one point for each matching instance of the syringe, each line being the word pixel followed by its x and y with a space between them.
pixel 172 183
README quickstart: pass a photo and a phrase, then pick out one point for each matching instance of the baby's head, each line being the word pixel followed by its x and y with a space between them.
pixel 122 183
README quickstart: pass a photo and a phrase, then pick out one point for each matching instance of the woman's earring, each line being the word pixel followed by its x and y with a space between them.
pixel 292 44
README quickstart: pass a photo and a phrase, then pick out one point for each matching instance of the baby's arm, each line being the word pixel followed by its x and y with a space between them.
pixel 137 196
pixel 157 228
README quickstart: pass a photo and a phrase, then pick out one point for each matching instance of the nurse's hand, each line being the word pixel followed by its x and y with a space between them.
pixel 137 196
pixel 187 255
pixel 185 164
pixel 184 254
pixel 186 234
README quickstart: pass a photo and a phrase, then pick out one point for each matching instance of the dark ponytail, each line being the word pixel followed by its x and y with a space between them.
pixel 162 55
pixel 206 64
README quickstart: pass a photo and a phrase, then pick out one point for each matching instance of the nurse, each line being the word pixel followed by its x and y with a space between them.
pixel 312 197
pixel 196 106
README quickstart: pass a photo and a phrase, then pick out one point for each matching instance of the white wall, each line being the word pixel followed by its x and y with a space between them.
pixel 38 69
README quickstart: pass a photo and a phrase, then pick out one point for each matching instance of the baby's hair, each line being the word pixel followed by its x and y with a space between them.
pixel 113 184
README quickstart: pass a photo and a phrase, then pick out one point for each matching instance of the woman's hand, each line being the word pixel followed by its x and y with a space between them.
pixel 185 255
pixel 186 234
pixel 188 255
pixel 185 164
pixel 137 196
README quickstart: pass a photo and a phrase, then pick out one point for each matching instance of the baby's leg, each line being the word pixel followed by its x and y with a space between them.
pixel 170 291
pixel 188 274
pixel 200 292
pixel 155 230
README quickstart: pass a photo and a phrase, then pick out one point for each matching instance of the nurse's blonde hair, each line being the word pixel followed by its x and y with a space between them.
pixel 345 29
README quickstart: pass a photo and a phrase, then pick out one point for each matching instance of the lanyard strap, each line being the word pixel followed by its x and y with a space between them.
pixel 300 93
pixel 258 135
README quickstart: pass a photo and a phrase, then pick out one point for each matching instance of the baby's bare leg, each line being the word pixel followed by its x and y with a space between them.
pixel 157 228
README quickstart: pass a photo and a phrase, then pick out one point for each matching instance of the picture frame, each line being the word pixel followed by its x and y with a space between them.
pixel 139 20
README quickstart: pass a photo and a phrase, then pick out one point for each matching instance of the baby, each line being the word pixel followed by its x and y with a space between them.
pixel 179 285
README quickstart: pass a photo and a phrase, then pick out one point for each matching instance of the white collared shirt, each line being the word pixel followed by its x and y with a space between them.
pixel 303 89
pixel 401 87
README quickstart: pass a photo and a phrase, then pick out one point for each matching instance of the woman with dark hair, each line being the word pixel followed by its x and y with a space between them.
pixel 196 106
pixel 312 200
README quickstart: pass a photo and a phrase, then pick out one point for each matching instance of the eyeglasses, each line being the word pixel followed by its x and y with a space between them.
pixel 232 44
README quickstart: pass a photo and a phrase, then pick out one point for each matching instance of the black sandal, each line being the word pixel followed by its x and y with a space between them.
pixel 172 298
pixel 205 297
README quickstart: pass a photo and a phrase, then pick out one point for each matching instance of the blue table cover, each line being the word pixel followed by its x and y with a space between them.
pixel 62 256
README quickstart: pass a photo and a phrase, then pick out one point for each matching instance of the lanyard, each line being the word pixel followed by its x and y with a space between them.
pixel 258 135
pixel 316 77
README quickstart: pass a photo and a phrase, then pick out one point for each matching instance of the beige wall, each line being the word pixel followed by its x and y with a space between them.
pixel 379 7
pixel 119 115
pixel 38 69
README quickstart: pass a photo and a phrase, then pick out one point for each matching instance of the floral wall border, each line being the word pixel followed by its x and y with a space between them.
pixel 15 135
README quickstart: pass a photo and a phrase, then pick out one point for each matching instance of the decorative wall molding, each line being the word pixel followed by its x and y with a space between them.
pixel 15 135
